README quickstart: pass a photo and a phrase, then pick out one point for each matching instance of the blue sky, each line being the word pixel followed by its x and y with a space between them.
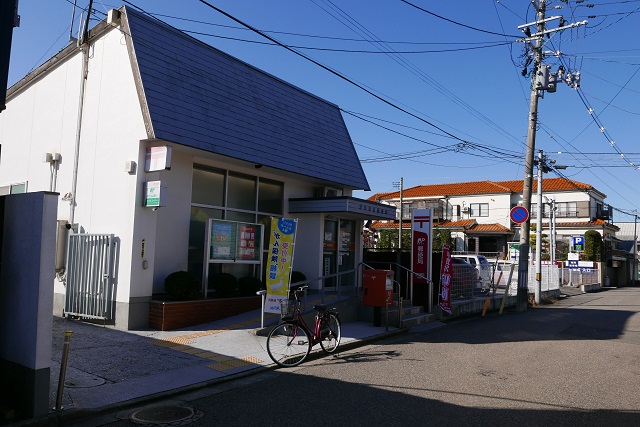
pixel 456 103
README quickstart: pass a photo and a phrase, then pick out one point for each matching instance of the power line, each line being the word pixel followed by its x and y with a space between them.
pixel 332 71
pixel 328 49
pixel 457 23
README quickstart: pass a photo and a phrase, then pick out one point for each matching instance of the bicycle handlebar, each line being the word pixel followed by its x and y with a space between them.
pixel 300 290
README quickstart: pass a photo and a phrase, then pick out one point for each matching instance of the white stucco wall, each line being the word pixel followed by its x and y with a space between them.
pixel 499 207
pixel 43 118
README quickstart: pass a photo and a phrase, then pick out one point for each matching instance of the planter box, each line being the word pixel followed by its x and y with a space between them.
pixel 170 315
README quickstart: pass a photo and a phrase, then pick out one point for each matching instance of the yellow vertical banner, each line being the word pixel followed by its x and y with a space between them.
pixel 279 262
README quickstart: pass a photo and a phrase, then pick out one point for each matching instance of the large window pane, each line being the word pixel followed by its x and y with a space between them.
pixel 197 236
pixel 240 216
pixel 479 209
pixel 207 186
pixel 242 192
pixel 270 196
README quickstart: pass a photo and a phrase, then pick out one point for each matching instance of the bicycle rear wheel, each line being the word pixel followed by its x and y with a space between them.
pixel 288 344
pixel 330 342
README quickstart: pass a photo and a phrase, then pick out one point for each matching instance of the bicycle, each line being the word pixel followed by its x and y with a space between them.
pixel 290 342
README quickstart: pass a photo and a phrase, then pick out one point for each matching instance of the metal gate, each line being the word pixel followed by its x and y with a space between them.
pixel 90 285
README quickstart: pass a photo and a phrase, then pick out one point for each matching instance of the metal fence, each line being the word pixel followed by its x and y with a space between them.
pixel 466 283
pixel 90 289
pixel 552 277
pixel 579 276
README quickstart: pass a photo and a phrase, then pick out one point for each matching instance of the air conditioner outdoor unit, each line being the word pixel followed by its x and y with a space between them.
pixel 328 192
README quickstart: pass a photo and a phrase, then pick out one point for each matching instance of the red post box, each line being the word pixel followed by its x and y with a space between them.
pixel 377 287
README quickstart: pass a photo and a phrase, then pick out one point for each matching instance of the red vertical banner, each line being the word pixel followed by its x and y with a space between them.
pixel 446 274
pixel 421 245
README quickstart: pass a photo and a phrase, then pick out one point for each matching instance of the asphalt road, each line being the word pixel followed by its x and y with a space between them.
pixel 573 363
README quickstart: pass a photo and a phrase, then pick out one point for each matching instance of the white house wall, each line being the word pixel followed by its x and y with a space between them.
pixel 43 119
pixel 168 232
pixel 499 206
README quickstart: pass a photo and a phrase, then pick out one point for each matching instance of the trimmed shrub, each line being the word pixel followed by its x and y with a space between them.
pixel 297 276
pixel 225 284
pixel 249 285
pixel 182 285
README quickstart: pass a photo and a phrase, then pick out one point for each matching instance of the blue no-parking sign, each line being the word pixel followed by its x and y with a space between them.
pixel 519 214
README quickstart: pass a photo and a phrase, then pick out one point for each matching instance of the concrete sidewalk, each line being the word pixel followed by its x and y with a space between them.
pixel 109 368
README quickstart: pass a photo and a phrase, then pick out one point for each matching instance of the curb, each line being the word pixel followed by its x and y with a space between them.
pixel 55 419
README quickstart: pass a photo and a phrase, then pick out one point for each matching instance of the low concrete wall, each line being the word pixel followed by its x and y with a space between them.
pixel 170 315
pixel 476 306
pixel 594 287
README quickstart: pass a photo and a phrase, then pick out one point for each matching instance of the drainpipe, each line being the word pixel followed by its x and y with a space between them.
pixel 84 48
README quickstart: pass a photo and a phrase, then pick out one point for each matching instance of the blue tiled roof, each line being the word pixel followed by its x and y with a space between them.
pixel 201 97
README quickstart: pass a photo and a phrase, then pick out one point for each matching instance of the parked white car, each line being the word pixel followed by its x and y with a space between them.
pixel 482 265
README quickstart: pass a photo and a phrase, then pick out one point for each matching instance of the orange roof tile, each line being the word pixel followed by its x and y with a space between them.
pixel 463 223
pixel 548 184
pixel 490 228
pixel 481 187
pixel 469 226
pixel 596 222
pixel 390 224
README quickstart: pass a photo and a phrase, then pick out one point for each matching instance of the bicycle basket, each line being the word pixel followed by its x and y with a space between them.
pixel 288 308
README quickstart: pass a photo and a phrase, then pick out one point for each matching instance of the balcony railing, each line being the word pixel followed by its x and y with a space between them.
pixel 564 214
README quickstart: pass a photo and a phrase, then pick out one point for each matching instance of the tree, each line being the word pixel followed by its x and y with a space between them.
pixel 441 237
pixel 544 253
pixel 592 246
pixel 389 239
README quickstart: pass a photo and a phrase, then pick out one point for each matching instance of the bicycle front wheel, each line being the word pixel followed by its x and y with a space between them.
pixel 288 344
pixel 330 342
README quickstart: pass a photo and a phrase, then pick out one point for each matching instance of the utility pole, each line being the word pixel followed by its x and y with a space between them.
pixel 400 222
pixel 635 246
pixel 553 231
pixel 539 230
pixel 399 253
pixel 541 80
pixel 523 263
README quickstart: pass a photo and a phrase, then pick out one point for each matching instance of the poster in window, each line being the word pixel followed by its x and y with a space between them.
pixel 247 241
pixel 222 241
pixel 345 239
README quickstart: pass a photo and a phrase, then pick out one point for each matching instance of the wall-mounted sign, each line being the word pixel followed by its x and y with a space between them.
pixel 154 194
pixel 234 241
pixel 157 158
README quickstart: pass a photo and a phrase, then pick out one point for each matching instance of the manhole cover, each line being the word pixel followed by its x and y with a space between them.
pixel 162 414
pixel 84 382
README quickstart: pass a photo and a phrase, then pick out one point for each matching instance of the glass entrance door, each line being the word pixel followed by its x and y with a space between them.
pixel 338 251
pixel 330 246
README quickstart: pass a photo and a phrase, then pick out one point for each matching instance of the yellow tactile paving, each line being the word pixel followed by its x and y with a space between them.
pixel 191 350
pixel 215 357
pixel 234 363
pixel 252 359
pixel 170 342
pixel 202 353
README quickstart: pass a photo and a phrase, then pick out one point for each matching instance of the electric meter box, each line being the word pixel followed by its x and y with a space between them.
pixel 377 287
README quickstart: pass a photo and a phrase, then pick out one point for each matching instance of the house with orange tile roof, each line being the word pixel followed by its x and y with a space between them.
pixel 478 213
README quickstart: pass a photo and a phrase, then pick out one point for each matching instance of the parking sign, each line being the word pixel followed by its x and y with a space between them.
pixel 578 243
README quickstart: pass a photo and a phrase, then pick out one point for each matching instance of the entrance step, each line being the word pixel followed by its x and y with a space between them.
pixel 412 315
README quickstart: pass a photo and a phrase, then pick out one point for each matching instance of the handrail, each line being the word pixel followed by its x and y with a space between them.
pixel 338 275
pixel 263 292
